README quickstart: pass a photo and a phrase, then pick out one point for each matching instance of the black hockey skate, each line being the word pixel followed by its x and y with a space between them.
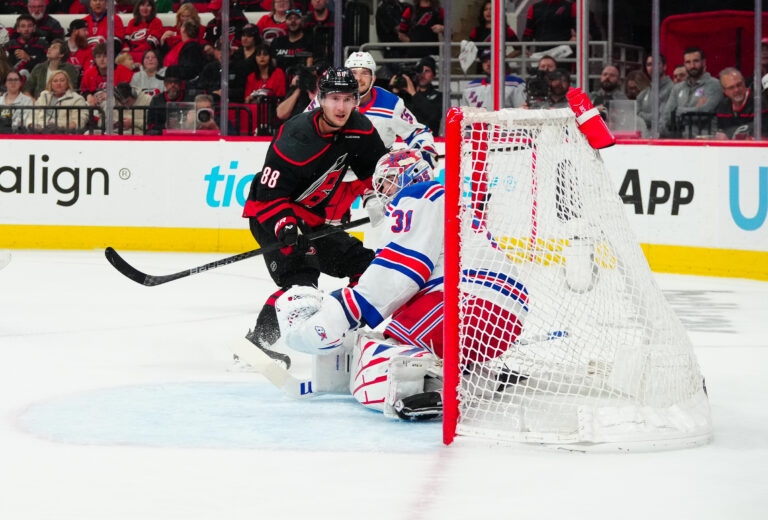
pixel 285 359
pixel 420 407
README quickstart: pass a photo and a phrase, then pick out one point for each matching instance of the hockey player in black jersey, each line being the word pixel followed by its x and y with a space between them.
pixel 298 191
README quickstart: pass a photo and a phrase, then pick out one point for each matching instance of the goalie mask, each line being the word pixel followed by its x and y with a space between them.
pixel 399 169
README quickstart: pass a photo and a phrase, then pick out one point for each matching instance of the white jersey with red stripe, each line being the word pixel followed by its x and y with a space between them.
pixel 409 263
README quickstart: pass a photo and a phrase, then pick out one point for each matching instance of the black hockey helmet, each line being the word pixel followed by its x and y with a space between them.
pixel 338 79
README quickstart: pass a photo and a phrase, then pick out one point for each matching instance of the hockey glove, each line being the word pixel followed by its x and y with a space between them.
pixel 375 208
pixel 294 241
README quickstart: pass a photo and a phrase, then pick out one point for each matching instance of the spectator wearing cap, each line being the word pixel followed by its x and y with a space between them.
pixel 294 49
pixel 273 26
pixel 94 84
pixel 80 55
pixel 421 23
pixel 147 79
pixel 26 50
pixel 267 80
pixel 421 97
pixel 97 26
pixel 237 21
pixel 736 112
pixel 479 92
pixel 47 27
pixel 174 93
pixel 57 55
pixel 188 54
pixel 144 30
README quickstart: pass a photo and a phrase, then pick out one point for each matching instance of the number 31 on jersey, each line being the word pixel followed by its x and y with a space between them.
pixel 402 220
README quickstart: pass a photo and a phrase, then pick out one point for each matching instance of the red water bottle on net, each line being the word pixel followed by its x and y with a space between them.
pixel 589 121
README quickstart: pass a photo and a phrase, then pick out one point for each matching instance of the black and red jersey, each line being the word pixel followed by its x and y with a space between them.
pixel 550 20
pixel 35 47
pixel 481 33
pixel 304 169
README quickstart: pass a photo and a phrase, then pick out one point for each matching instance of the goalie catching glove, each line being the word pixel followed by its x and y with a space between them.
pixel 311 321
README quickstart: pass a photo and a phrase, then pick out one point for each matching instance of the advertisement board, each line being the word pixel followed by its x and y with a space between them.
pixel 695 209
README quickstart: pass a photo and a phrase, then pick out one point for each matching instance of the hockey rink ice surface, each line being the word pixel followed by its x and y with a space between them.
pixel 118 402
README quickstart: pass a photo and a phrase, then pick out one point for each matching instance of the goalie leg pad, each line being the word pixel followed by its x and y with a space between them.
pixel 384 372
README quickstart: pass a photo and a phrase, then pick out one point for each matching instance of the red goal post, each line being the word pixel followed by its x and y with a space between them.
pixel 555 331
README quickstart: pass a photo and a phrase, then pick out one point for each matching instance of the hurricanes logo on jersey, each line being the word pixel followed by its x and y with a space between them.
pixel 324 186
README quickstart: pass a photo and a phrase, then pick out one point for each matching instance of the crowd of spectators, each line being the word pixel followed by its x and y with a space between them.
pixel 275 62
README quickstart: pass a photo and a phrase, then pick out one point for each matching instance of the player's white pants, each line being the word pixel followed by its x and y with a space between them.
pixel 383 371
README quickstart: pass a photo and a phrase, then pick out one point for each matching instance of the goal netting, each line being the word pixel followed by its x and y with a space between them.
pixel 556 331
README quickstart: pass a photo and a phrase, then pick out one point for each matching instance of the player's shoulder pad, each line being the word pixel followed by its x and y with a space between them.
pixel 430 190
pixel 386 99
pixel 298 141
pixel 358 124
pixel 511 78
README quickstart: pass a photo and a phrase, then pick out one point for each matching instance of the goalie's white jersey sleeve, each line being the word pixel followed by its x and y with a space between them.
pixel 410 263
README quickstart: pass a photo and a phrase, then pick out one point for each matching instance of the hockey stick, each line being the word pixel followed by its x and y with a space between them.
pixel 149 280
pixel 271 369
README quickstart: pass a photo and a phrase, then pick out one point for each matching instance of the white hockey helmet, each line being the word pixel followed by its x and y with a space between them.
pixel 399 169
pixel 361 60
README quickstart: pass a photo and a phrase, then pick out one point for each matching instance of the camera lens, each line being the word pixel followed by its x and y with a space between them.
pixel 204 115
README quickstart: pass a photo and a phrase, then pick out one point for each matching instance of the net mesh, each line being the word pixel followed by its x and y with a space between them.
pixel 564 336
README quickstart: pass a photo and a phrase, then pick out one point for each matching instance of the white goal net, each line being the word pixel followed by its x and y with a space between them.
pixel 563 335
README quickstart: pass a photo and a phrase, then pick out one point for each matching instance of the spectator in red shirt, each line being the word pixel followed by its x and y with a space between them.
pixel 47 26
pixel 422 23
pixel 188 53
pixel 145 30
pixel 97 26
pixel 79 53
pixel 94 82
pixel 26 50
pixel 173 36
pixel 273 25
pixel 268 80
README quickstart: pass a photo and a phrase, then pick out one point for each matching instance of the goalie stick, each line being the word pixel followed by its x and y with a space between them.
pixel 149 280
pixel 272 369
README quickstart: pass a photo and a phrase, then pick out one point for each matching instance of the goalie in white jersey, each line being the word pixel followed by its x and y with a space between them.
pixel 398 372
